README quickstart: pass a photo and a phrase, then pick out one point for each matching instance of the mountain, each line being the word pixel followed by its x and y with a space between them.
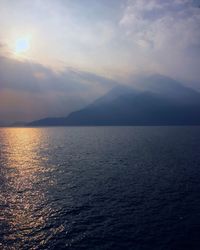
pixel 3 124
pixel 168 87
pixel 18 124
pixel 15 124
pixel 157 100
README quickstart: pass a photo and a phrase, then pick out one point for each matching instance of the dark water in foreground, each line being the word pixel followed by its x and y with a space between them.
pixel 100 188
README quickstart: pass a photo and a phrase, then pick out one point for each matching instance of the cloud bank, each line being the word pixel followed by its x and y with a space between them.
pixel 164 35
pixel 30 90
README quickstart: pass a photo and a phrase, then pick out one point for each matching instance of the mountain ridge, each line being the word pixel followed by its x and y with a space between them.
pixel 124 105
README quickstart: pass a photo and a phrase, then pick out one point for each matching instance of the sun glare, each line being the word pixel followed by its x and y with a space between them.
pixel 22 45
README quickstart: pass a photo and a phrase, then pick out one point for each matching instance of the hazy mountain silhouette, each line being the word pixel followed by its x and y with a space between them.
pixel 13 124
pixel 168 88
pixel 157 100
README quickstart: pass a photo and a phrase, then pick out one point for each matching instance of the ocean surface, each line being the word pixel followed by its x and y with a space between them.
pixel 100 188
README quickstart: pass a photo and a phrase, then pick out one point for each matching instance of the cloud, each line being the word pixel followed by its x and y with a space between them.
pixel 167 31
pixel 117 37
pixel 37 91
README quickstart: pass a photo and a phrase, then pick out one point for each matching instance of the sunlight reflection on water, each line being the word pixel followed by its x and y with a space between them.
pixel 24 185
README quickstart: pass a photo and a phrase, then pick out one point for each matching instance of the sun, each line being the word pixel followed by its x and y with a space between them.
pixel 22 45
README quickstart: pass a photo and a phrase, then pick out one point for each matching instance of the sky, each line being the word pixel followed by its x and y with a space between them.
pixel 57 56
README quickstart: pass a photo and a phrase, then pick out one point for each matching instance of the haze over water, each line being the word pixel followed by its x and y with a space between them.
pixel 100 188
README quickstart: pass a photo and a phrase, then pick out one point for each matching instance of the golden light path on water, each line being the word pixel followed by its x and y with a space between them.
pixel 24 187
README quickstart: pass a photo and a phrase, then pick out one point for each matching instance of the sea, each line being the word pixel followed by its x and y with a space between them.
pixel 99 188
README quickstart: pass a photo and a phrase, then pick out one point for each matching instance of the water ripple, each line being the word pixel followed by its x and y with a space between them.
pixel 100 188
